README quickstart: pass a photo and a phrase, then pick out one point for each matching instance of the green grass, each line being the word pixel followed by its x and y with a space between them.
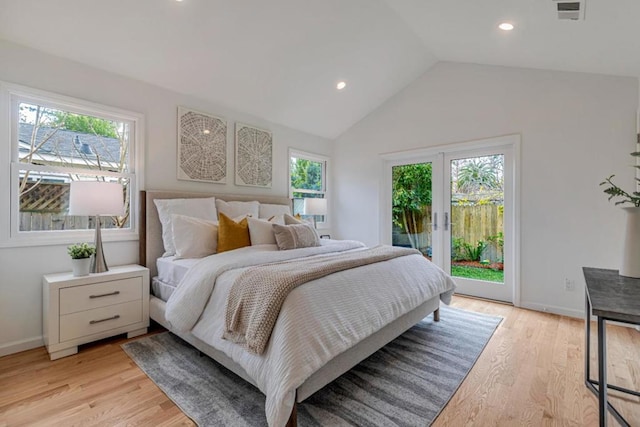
pixel 477 273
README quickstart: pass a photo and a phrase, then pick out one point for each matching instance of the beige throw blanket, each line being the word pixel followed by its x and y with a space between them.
pixel 258 293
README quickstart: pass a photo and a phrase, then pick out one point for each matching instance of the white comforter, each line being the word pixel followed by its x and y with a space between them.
pixel 318 320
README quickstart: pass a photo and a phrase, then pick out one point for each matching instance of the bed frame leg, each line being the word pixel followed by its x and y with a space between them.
pixel 293 418
pixel 436 315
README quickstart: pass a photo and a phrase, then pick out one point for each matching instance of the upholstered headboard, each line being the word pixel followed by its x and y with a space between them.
pixel 151 246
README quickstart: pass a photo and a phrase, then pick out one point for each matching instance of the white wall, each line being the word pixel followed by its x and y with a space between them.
pixel 21 269
pixel 576 130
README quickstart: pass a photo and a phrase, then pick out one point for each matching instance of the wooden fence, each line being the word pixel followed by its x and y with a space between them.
pixel 469 224
pixel 43 207
pixel 477 223
pixel 38 221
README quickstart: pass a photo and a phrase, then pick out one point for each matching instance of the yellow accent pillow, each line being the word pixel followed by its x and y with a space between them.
pixel 231 234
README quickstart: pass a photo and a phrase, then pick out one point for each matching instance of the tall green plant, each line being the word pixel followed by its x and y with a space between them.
pixel 411 196
pixel 479 174
pixel 616 192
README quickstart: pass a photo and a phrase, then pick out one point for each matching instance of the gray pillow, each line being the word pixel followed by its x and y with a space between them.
pixel 295 236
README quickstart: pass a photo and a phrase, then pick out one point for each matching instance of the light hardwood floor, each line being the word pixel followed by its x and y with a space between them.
pixel 530 373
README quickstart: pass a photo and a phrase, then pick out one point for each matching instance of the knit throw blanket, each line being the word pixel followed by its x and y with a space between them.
pixel 258 293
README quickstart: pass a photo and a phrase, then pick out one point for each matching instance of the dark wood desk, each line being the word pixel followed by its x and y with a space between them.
pixel 608 296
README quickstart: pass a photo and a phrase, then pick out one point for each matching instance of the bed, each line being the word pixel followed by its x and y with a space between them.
pixel 281 404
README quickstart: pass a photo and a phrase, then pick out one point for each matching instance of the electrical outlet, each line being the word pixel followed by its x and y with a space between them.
pixel 569 285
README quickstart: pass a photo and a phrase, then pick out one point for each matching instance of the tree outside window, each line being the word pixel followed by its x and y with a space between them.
pixel 307 180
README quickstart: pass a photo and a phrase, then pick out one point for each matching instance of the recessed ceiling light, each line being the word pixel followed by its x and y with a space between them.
pixel 505 26
pixel 206 131
pixel 341 85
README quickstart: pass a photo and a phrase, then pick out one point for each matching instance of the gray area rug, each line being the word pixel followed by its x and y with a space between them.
pixel 406 383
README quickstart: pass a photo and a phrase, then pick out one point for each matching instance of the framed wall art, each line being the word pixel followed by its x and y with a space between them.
pixel 254 156
pixel 202 147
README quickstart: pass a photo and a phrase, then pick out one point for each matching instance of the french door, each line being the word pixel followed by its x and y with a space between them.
pixel 458 209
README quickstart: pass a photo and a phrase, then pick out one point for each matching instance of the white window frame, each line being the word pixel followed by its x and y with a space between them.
pixel 299 154
pixel 11 95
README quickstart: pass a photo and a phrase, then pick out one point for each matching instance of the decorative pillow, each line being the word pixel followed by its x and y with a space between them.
pixel 231 234
pixel 193 237
pixel 196 208
pixel 267 210
pixel 277 219
pixel 295 236
pixel 292 220
pixel 261 230
pixel 297 219
pixel 234 209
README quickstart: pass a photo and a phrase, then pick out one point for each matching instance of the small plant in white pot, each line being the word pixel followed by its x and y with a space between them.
pixel 630 266
pixel 81 258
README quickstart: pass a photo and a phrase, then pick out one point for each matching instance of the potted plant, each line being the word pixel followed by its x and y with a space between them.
pixel 81 258
pixel 631 255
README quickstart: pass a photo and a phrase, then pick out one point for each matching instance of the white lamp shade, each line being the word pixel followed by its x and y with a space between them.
pixel 96 198
pixel 314 207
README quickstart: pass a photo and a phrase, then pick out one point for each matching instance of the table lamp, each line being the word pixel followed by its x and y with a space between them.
pixel 96 198
pixel 314 207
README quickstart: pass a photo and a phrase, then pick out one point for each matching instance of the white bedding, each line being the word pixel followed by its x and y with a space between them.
pixel 318 321
pixel 171 270
pixel 161 290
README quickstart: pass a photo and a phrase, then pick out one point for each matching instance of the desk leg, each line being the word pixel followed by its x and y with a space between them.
pixel 587 340
pixel 602 371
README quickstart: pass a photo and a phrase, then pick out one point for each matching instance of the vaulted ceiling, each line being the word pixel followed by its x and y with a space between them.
pixel 281 59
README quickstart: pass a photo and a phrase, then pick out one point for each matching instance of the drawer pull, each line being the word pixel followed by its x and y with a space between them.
pixel 93 322
pixel 104 295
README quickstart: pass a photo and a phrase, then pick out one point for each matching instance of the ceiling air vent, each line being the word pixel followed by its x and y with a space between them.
pixel 570 9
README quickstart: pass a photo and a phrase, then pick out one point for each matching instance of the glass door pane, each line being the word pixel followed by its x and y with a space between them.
pixel 479 239
pixel 412 207
pixel 477 218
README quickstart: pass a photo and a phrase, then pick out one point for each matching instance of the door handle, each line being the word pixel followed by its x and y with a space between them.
pixel 435 221
pixel 446 221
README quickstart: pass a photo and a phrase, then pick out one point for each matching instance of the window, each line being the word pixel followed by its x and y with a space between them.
pixel 308 180
pixel 56 140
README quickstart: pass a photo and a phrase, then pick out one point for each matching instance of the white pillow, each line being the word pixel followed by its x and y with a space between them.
pixel 236 209
pixel 276 219
pixel 261 230
pixel 194 237
pixel 267 210
pixel 196 208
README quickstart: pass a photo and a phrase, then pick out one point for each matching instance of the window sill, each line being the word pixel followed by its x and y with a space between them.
pixel 66 238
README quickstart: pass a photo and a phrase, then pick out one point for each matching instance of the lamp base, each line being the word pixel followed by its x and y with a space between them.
pixel 98 263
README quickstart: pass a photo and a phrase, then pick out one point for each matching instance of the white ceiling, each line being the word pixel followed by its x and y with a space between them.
pixel 281 59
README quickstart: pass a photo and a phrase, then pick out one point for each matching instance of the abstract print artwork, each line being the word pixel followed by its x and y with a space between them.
pixel 202 147
pixel 254 156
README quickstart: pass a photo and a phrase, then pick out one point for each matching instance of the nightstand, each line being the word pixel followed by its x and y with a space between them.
pixel 78 310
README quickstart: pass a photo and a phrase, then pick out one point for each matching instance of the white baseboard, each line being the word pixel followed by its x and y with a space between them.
pixel 563 311
pixel 579 314
pixel 21 345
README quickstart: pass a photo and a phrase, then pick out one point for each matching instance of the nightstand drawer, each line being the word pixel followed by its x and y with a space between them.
pixel 87 297
pixel 90 322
